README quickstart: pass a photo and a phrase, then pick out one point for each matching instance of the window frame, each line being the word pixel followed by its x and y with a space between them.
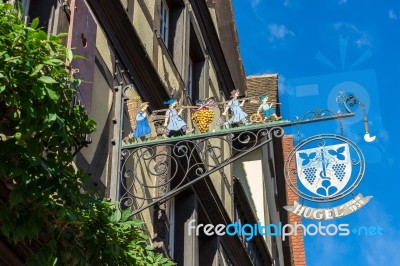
pixel 164 22
pixel 190 79
pixel 196 65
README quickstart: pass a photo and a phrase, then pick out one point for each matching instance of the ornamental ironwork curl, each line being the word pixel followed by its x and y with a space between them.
pixel 155 173
pixel 348 101
pixel 318 114
pixel 314 114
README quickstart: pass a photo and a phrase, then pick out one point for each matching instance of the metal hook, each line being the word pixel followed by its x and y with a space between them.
pixel 350 101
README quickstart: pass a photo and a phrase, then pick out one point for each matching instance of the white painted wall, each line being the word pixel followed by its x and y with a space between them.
pixel 253 170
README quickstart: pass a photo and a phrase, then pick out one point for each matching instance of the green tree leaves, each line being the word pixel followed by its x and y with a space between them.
pixel 46 79
pixel 47 200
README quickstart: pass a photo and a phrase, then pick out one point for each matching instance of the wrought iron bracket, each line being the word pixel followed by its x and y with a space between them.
pixel 153 171
pixel 198 158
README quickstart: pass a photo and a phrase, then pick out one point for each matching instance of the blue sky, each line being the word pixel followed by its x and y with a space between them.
pixel 350 45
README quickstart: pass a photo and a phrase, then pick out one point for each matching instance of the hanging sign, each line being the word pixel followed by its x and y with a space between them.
pixel 322 169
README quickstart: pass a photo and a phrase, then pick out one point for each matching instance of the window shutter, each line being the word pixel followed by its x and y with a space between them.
pixel 82 34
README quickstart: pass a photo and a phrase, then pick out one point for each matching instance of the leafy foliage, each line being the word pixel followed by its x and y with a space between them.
pixel 307 157
pixel 46 200
pixel 338 153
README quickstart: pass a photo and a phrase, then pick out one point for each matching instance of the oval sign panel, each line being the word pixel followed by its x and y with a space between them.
pixel 322 169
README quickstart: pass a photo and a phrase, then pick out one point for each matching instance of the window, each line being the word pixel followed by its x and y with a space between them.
pixel 185 245
pixel 171 27
pixel 164 22
pixel 196 68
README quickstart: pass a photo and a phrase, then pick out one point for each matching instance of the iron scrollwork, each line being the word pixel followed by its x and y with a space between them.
pixel 155 173
pixel 350 102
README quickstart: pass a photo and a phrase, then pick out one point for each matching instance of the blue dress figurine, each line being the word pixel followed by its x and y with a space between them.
pixel 173 122
pixel 238 115
pixel 142 125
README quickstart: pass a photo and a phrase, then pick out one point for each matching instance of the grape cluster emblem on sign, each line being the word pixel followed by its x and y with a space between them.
pixel 326 168
pixel 325 171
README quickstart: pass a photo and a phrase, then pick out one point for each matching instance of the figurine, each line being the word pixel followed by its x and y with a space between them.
pixel 267 109
pixel 236 108
pixel 175 126
pixel 142 125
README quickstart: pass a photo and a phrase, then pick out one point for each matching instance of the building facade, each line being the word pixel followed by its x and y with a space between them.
pixel 152 51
